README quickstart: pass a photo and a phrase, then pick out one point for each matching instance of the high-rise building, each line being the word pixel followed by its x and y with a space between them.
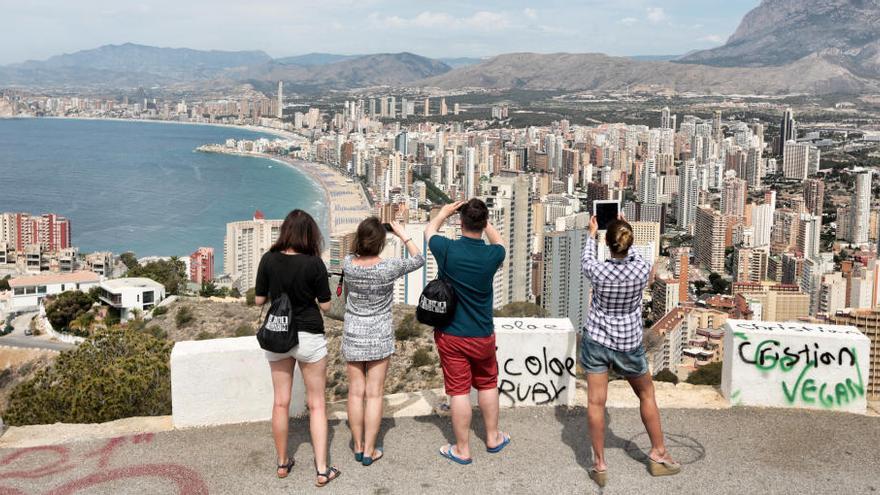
pixel 787 130
pixel 716 126
pixel 709 238
pixel 832 294
pixel 688 195
pixel 244 246
pixel 868 321
pixel 814 196
pixel 860 209
pixel 733 197
pixel 427 107
pixel 470 188
pixel 280 110
pixel 664 297
pixel 20 230
pixel 799 160
pixel 665 120
pixel 201 265
pixel 565 289
pixel 809 236
pixel 510 196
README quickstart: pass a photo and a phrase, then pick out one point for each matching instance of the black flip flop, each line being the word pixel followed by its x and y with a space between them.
pixel 287 467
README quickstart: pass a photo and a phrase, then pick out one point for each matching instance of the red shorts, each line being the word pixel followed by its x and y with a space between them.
pixel 467 362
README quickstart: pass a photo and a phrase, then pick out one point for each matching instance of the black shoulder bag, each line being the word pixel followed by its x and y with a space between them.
pixel 438 301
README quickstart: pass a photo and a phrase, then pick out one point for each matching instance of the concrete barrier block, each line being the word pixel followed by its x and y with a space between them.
pixel 795 365
pixel 224 381
pixel 536 361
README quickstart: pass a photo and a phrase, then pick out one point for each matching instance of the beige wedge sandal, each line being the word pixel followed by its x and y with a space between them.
pixel 600 477
pixel 663 467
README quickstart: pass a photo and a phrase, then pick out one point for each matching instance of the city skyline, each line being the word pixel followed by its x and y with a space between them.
pixel 456 29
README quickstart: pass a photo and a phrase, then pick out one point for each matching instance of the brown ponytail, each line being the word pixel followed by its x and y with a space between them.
pixel 619 237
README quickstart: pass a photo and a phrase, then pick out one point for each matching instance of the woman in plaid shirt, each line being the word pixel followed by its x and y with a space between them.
pixel 612 339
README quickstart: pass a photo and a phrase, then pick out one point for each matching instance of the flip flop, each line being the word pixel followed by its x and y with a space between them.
pixel 600 477
pixel 452 457
pixel 663 467
pixel 498 448
pixel 368 461
pixel 358 457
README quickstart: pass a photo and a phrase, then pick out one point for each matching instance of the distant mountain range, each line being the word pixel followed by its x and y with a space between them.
pixel 780 47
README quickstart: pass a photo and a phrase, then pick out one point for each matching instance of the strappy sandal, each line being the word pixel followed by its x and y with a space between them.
pixel 663 467
pixel 331 474
pixel 286 467
pixel 600 477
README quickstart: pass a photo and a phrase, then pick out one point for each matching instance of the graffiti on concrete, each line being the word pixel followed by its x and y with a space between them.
pixel 26 466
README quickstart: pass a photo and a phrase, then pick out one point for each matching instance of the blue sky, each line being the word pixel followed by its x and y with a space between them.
pixel 37 29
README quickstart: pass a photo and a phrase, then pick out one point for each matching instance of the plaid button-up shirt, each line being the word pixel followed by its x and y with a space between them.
pixel 615 318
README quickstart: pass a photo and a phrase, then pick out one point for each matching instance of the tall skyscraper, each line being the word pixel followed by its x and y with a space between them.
pixel 564 288
pixel 427 108
pixel 814 196
pixel 716 126
pixel 733 196
pixel 860 209
pixel 510 197
pixel 787 130
pixel 280 100
pixel 665 120
pixel 688 195
pixel 244 245
pixel 709 238
pixel 470 189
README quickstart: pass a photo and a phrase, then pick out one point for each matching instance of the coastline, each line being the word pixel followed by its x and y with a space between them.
pixel 253 128
pixel 346 204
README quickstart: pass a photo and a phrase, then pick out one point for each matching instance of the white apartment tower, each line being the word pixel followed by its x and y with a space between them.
pixel 244 245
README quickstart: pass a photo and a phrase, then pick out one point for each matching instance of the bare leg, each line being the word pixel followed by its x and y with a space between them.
pixel 488 400
pixel 315 378
pixel 597 393
pixel 356 388
pixel 643 386
pixel 460 408
pixel 282 382
pixel 376 372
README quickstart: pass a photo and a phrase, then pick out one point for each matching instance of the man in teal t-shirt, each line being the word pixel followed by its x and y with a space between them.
pixel 467 345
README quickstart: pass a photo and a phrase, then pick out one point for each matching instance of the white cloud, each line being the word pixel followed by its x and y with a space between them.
pixel 480 21
pixel 656 15
pixel 628 21
pixel 530 13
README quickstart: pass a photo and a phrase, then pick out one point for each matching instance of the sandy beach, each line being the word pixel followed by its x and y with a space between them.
pixel 345 199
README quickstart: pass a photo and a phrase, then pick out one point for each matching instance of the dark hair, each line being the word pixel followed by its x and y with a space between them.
pixel 300 233
pixel 474 215
pixel 370 238
pixel 619 237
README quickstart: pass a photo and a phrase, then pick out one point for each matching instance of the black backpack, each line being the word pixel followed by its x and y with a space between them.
pixel 437 302
pixel 278 333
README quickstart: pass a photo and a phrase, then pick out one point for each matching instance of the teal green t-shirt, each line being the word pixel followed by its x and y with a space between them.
pixel 470 264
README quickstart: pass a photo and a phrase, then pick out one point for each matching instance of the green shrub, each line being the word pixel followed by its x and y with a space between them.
pixel 408 328
pixel 422 357
pixel 244 330
pixel 66 307
pixel 184 316
pixel 666 376
pixel 156 331
pixel 204 335
pixel 249 297
pixel 116 373
pixel 160 310
pixel 706 375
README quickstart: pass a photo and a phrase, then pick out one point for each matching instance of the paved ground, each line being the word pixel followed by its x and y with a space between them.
pixel 736 451
pixel 18 339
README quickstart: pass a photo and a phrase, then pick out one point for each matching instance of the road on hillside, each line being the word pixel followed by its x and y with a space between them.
pixel 18 338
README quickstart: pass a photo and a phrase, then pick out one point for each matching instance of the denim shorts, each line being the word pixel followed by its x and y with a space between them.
pixel 596 358
pixel 311 349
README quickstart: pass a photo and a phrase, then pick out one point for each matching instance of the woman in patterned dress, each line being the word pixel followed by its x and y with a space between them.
pixel 368 336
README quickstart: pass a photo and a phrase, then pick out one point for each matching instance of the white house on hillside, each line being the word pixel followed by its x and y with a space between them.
pixel 128 294
pixel 28 292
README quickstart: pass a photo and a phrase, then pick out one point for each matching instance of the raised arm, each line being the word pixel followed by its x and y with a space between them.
pixel 437 222
pixel 493 235
pixel 589 259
